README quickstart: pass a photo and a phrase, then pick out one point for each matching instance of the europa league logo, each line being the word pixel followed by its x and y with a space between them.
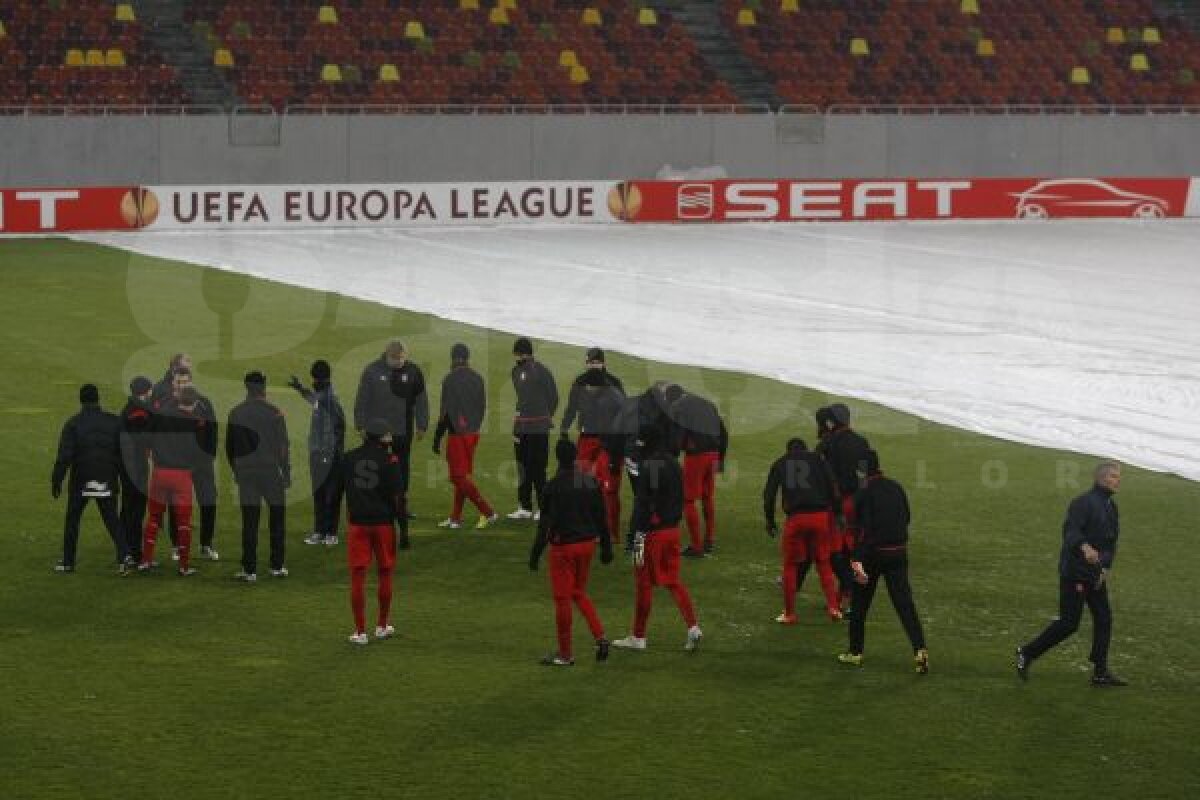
pixel 625 201
pixel 139 208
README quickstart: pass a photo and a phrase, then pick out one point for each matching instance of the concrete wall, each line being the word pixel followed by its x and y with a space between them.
pixel 83 150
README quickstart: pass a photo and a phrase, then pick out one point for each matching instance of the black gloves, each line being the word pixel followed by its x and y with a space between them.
pixel 772 528
pixel 721 467
pixel 296 384
pixel 56 490
pixel 402 540
pixel 606 555
pixel 533 565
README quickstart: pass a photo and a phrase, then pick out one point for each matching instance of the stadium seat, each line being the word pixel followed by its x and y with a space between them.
pixel 1151 36
pixel 389 74
pixel 1186 77
pixel 985 47
pixel 789 6
pixel 1080 76
pixel 746 18
pixel 241 30
pixel 331 73
pixel 498 16
pixel 969 6
pixel 647 17
pixel 567 58
pixel 511 60
pixel 468 5
pixel 74 58
pixel 327 15
pixel 95 58
pixel 125 13
pixel 1139 63
pixel 222 57
pixel 508 5
pixel 413 29
pixel 591 16
pixel 114 58
pixel 859 47
pixel 579 74
pixel 1115 36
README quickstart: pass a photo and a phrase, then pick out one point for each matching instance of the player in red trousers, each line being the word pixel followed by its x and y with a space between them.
pixel 596 398
pixel 573 518
pixel 371 477
pixel 657 510
pixel 809 498
pixel 700 433
pixel 179 437
pixel 464 405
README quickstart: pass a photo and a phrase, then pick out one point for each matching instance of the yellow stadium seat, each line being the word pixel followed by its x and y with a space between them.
pixel 331 73
pixel 1139 63
pixel 591 17
pixel 95 58
pixel 75 57
pixel 579 74
pixel 508 5
pixel 1151 36
pixel 1115 36
pixel 985 47
pixel 789 6
pixel 468 5
pixel 389 74
pixel 969 6
pixel 859 47
pixel 222 57
pixel 647 17
pixel 745 18
pixel 3 32
pixel 125 13
pixel 498 16
pixel 1080 76
pixel 567 58
pixel 114 58
pixel 413 29
pixel 327 15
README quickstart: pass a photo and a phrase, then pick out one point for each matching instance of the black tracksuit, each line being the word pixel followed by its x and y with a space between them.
pixel 463 403
pixel 398 397
pixel 883 518
pixel 698 427
pixel 1092 518
pixel 806 483
pixel 89 449
pixel 135 471
pixel 256 444
pixel 595 399
pixel 572 511
pixel 658 498
pixel 326 443
pixel 370 476
pixel 846 451
pixel 537 401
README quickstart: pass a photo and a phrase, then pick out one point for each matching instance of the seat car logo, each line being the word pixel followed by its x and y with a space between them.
pixel 1085 198
pixel 695 201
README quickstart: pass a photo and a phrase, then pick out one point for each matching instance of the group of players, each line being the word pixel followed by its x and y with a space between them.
pixel 842 514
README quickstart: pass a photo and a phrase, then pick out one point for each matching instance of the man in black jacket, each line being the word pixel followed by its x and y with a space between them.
pixel 880 550
pixel 657 510
pixel 700 433
pixel 595 399
pixel 89 449
pixel 256 444
pixel 370 476
pixel 1089 547
pixel 537 400
pixel 809 498
pixel 392 388
pixel 326 442
pixel 135 463
pixel 461 415
pixel 573 518
pixel 846 451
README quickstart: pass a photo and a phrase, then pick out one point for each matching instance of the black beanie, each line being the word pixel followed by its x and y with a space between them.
pixel 255 382
pixel 796 445
pixel 522 347
pixel 673 393
pixel 841 414
pixel 595 354
pixel 321 371
pixel 460 352
pixel 89 394
pixel 140 385
pixel 824 418
pixel 565 452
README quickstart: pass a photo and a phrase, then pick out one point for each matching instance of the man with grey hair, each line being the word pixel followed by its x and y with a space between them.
pixel 392 389
pixel 1089 546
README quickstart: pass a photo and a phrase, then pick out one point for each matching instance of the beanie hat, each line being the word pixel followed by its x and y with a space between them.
pixel 522 347
pixel 796 444
pixel 460 352
pixel 595 354
pixel 321 371
pixel 140 385
pixel 89 394
pixel 255 382
pixel 841 414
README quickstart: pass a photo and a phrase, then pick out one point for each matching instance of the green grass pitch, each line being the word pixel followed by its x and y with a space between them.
pixel 153 686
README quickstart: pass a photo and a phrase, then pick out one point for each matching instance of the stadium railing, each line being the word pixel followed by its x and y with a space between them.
pixel 548 108
pixel 1031 109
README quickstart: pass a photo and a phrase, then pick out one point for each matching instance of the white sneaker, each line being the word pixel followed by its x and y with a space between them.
pixel 359 638
pixel 331 540
pixel 279 573
pixel 450 523
pixel 537 515
pixel 174 553
pixel 209 553
pixel 245 577
pixel 631 643
pixel 385 632
pixel 520 513
pixel 186 573
pixel 314 538
pixel 694 637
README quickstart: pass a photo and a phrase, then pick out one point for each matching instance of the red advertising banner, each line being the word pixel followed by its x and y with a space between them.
pixel 64 210
pixel 912 199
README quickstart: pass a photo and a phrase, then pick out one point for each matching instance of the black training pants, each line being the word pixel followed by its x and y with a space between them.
pixel 256 487
pixel 133 512
pixel 892 566
pixel 1072 595
pixel 532 451
pixel 326 492
pixel 76 502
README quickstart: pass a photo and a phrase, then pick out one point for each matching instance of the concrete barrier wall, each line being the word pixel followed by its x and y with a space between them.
pixel 46 151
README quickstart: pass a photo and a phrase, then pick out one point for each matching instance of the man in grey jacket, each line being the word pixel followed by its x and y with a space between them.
pixel 326 443
pixel 392 388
